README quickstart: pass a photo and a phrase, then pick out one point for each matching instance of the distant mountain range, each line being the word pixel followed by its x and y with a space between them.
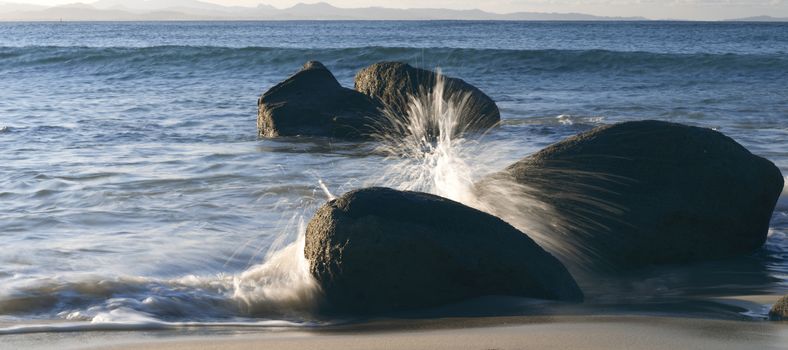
pixel 760 19
pixel 154 10
pixel 141 10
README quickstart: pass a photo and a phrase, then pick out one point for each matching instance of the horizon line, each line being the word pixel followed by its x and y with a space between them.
pixel 195 14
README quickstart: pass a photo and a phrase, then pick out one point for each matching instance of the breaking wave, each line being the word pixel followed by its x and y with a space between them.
pixel 144 60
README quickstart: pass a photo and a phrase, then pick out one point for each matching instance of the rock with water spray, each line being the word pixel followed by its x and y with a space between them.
pixel 313 103
pixel 779 311
pixel 378 249
pixel 640 193
pixel 394 84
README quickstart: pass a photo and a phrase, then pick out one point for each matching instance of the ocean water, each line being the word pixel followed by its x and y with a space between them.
pixel 135 193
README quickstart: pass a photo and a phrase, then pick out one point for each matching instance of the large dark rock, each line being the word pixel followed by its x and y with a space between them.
pixel 379 249
pixel 779 311
pixel 640 193
pixel 393 83
pixel 313 103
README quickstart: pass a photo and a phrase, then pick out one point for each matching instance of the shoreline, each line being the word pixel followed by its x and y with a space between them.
pixel 611 329
pixel 529 332
pixel 486 311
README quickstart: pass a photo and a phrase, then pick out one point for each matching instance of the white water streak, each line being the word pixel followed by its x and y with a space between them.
pixel 425 148
pixel 328 193
pixel 430 150
pixel 281 285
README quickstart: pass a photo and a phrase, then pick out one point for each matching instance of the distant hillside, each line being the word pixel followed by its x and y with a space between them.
pixel 141 10
pixel 760 19
pixel 9 8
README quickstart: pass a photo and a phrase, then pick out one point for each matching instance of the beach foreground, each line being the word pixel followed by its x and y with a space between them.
pixel 588 332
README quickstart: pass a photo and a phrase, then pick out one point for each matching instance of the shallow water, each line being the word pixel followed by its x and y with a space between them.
pixel 134 189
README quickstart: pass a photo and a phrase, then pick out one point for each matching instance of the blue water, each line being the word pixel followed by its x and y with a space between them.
pixel 133 187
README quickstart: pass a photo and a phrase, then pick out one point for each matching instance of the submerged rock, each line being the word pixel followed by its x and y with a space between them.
pixel 393 83
pixel 779 311
pixel 378 249
pixel 313 103
pixel 646 192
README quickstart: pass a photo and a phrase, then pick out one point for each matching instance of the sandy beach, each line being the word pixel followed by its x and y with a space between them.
pixel 565 332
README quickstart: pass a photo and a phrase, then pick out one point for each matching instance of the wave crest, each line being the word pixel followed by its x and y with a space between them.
pixel 125 59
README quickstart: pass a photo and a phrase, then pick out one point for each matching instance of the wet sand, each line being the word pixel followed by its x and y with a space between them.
pixel 564 332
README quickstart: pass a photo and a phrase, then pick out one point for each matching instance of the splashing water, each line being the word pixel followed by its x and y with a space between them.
pixel 527 206
pixel 280 287
pixel 326 190
pixel 429 149
pixel 426 148
pixel 283 284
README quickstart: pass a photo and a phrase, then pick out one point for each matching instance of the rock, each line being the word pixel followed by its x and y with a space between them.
pixel 393 83
pixel 378 250
pixel 313 103
pixel 644 192
pixel 779 311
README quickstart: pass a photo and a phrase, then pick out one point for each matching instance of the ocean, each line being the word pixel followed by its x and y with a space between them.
pixel 136 194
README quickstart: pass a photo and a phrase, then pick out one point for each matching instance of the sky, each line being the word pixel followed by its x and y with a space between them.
pixel 655 9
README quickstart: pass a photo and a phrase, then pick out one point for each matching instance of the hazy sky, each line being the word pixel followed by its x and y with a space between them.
pixel 686 9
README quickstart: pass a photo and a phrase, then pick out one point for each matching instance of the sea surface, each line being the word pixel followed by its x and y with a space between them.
pixel 135 192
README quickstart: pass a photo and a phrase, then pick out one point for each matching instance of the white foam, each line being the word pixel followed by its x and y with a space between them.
pixel 565 119
pixel 124 325
pixel 282 285
pixel 426 148
pixel 429 151
pixel 280 288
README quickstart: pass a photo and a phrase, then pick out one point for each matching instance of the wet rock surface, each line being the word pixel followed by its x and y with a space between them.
pixel 393 84
pixel 779 311
pixel 313 103
pixel 650 192
pixel 378 249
